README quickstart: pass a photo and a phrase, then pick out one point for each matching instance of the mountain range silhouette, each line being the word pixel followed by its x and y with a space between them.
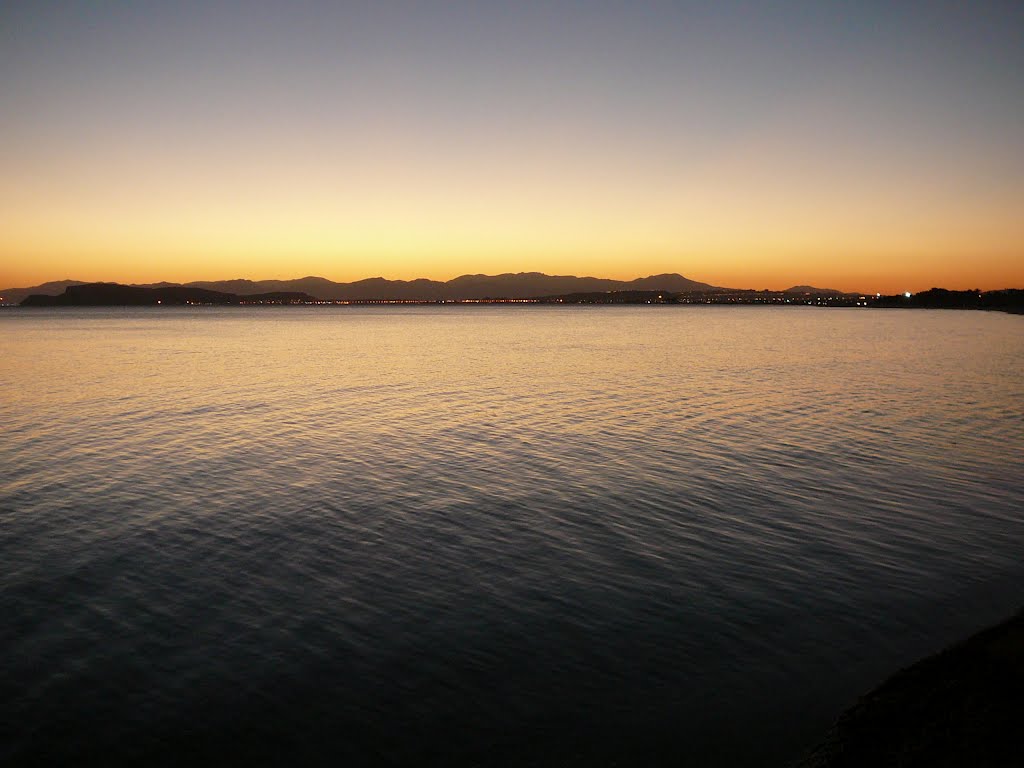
pixel 512 285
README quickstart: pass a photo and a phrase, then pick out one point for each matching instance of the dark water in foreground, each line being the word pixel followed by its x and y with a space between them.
pixel 490 536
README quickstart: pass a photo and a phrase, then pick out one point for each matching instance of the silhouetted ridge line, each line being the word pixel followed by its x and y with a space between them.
pixel 511 285
pixel 114 294
pixel 526 286
pixel 811 290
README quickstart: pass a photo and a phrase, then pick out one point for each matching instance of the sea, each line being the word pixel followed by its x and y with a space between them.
pixel 490 535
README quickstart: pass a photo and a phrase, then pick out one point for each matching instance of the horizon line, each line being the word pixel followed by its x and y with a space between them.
pixel 430 279
pixel 788 285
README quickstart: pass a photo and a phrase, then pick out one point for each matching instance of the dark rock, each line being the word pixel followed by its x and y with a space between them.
pixel 961 707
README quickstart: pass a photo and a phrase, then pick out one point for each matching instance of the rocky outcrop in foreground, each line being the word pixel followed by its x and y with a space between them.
pixel 961 707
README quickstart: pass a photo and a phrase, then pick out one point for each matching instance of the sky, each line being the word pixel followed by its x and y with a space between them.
pixel 855 145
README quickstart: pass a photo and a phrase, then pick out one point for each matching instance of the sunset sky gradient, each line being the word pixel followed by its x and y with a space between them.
pixel 856 145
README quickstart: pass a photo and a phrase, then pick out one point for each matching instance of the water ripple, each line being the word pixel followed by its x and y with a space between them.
pixel 532 536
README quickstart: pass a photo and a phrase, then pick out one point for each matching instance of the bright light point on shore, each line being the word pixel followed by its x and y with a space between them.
pixel 906 294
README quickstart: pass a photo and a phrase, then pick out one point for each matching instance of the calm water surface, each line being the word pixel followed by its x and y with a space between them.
pixel 490 536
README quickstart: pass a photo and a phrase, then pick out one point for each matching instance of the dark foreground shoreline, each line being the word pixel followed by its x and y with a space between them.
pixel 963 706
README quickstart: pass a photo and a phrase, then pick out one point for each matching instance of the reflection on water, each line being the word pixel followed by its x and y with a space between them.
pixel 490 536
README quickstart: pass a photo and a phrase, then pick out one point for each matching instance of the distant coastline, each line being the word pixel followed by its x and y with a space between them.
pixel 518 291
pixel 519 285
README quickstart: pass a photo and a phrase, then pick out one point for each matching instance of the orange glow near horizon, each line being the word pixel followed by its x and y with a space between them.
pixel 141 244
pixel 747 222
pixel 758 213
pixel 433 142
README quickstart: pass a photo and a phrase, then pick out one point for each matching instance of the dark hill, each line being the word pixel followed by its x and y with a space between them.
pixel 668 282
pixel 52 288
pixel 810 289
pixel 114 294
pixel 526 285
pixel 512 285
